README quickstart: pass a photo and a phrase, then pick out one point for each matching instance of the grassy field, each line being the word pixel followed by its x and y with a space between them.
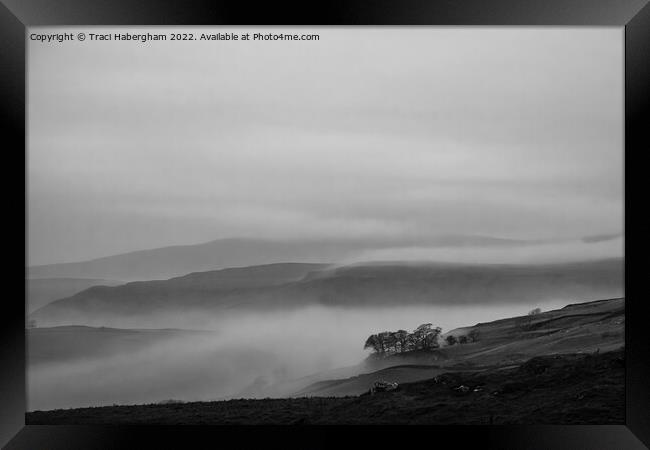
pixel 560 389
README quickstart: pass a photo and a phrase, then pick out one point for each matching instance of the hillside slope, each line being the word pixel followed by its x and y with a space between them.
pixel 278 286
pixel 219 288
pixel 579 328
pixel 41 291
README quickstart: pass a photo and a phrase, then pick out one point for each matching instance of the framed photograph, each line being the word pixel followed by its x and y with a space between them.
pixel 405 222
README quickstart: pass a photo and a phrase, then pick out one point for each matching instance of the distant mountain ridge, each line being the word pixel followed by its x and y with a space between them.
pixel 173 261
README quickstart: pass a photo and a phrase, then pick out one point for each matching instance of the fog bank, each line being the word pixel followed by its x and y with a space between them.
pixel 535 253
pixel 251 348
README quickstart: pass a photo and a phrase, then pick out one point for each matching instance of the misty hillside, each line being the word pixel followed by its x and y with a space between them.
pixel 219 288
pixel 278 286
pixel 458 284
pixel 578 328
pixel 166 262
pixel 567 363
pixel 41 291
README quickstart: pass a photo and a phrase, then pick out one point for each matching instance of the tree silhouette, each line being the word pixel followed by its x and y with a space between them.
pixel 373 343
pixel 383 341
pixel 400 341
pixel 401 336
pixel 431 338
pixel 420 334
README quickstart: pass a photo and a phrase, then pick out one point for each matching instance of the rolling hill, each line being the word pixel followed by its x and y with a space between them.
pixel 281 286
pixel 41 291
pixel 578 328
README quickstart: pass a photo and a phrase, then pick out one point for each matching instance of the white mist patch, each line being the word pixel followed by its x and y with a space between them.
pixel 554 252
pixel 248 348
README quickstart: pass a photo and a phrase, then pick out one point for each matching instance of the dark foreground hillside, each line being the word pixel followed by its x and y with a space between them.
pixel 559 389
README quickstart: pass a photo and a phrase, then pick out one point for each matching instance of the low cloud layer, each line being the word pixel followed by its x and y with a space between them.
pixel 256 348
pixel 551 252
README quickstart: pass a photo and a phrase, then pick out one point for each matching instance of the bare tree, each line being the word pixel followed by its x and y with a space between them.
pixel 431 338
pixel 384 341
pixel 420 334
pixel 401 336
pixel 423 337
pixel 373 343
pixel 410 342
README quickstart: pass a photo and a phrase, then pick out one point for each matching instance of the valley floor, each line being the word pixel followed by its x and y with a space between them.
pixel 580 388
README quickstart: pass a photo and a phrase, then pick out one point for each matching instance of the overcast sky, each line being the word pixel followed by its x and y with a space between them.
pixel 374 133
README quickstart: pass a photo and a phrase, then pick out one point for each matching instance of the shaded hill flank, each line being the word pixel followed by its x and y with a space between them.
pixel 560 389
pixel 41 291
pixel 199 289
pixel 373 285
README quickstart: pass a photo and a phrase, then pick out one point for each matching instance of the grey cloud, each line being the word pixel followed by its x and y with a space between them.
pixel 366 133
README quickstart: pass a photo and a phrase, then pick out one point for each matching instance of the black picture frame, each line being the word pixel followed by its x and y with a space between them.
pixel 634 16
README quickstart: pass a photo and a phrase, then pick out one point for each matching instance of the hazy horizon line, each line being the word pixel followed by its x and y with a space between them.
pixel 369 242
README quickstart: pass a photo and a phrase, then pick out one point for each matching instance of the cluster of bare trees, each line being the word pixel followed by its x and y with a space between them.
pixel 423 337
pixel 472 336
pixel 526 322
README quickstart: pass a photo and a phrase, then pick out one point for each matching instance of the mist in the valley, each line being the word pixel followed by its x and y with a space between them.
pixel 244 351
